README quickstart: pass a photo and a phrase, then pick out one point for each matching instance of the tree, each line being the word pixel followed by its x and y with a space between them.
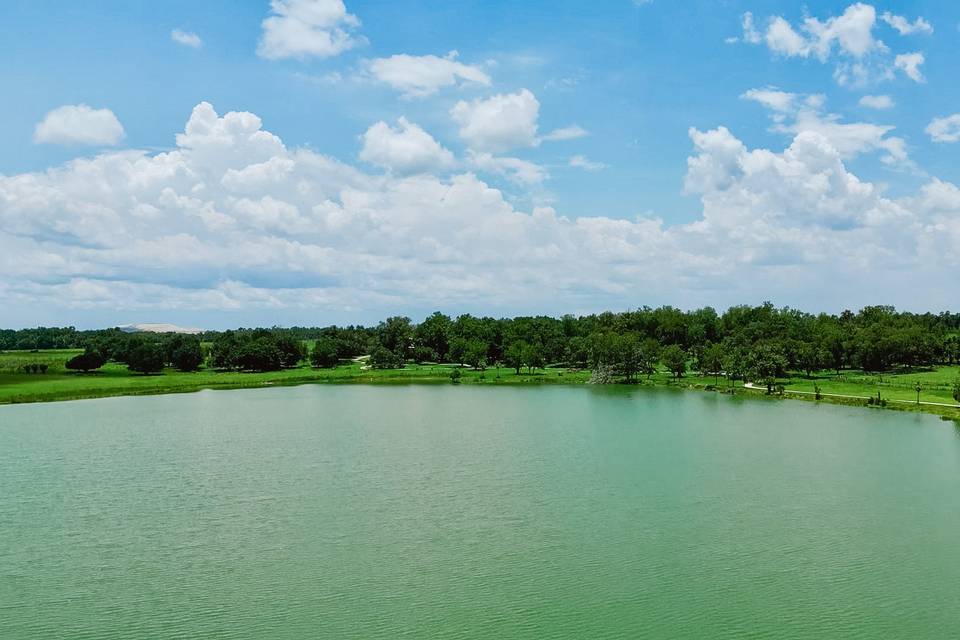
pixel 649 356
pixel 712 361
pixel 324 354
pixel 675 360
pixel 291 350
pixel 514 355
pixel 475 354
pixel 395 334
pixel 766 363
pixel 422 353
pixel 225 351
pixel 259 354
pixel 86 361
pixel 628 355
pixel 146 358
pixel 188 356
pixel 383 358
pixel 811 357
pixel 735 364
pixel 434 333
pixel 533 357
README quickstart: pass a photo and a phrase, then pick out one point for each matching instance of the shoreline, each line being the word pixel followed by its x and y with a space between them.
pixel 383 378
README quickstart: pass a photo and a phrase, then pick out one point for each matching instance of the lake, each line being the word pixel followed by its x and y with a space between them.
pixel 469 512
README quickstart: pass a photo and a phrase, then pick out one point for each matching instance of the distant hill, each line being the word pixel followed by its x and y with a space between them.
pixel 147 327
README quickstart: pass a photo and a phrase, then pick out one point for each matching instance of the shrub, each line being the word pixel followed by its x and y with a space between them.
pixel 86 361
pixel 455 376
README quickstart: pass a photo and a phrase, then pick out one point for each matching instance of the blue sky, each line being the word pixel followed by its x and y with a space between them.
pixel 551 157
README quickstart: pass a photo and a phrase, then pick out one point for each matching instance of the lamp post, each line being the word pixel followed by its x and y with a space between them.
pixel 918 387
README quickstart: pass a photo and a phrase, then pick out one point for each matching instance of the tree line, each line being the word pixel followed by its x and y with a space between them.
pixel 761 342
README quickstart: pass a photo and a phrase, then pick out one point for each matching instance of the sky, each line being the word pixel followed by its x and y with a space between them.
pixel 239 163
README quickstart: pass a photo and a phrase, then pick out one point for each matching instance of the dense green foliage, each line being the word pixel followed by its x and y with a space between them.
pixel 86 361
pixel 758 344
pixel 146 357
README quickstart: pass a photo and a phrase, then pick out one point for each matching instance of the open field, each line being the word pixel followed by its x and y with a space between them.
pixel 115 380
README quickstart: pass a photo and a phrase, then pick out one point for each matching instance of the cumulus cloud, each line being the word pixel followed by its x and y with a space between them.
pixel 910 63
pixel 79 124
pixel 234 219
pixel 850 33
pixel 522 172
pixel 419 76
pixel 501 122
pixel 877 102
pixel 405 149
pixel 307 28
pixel 904 27
pixel 848 39
pixel 793 114
pixel 186 38
pixel 944 129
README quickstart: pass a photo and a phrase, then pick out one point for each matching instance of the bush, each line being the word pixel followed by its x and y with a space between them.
pixel 86 361
pixel 455 376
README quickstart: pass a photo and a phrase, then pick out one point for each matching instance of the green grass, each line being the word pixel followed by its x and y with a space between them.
pixel 116 380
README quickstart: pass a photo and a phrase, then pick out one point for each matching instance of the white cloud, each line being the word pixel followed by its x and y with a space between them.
pixel 772 98
pixel 504 121
pixel 782 39
pixel 877 102
pixel 566 133
pixel 945 129
pixel 851 33
pixel 750 33
pixel 406 149
pixel 848 39
pixel 849 139
pixel 518 171
pixel 904 26
pixel 307 28
pixel 79 124
pixel 582 162
pixel 186 38
pixel 233 219
pixel 910 63
pixel 419 76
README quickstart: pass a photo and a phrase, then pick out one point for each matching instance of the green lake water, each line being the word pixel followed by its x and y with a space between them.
pixel 468 512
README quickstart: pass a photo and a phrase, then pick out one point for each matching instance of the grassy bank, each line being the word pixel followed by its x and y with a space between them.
pixel 115 380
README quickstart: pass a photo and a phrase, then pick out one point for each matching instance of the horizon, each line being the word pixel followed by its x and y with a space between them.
pixel 453 315
pixel 315 162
